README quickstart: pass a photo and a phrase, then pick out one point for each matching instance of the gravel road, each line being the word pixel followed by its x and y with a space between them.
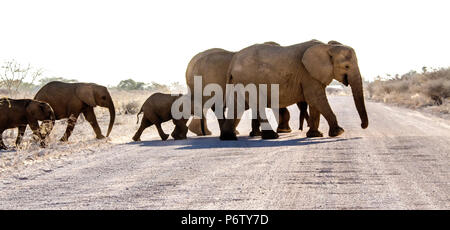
pixel 400 162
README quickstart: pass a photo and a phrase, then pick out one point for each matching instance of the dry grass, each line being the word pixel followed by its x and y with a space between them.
pixel 428 91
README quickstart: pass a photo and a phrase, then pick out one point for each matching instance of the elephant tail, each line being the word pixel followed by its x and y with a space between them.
pixel 140 111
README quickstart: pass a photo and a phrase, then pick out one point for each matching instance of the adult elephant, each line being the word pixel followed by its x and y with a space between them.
pixel 68 100
pixel 302 72
pixel 213 66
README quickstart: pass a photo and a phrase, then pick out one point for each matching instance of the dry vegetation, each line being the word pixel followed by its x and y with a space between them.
pixel 429 90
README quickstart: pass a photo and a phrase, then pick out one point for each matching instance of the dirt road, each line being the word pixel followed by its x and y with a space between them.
pixel 400 162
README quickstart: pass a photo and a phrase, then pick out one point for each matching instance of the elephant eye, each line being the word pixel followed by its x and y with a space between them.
pixel 103 97
pixel 347 67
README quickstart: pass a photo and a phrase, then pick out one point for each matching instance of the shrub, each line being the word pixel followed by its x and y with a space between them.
pixel 132 107
pixel 431 87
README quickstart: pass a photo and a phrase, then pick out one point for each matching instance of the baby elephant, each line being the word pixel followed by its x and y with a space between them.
pixel 157 109
pixel 20 113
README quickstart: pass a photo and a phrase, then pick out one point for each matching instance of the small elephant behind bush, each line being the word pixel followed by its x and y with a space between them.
pixel 157 109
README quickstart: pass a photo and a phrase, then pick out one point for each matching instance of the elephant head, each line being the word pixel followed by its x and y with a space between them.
pixel 96 95
pixel 42 111
pixel 326 62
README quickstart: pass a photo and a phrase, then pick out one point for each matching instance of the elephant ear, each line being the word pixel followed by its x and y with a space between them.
pixel 85 93
pixel 317 62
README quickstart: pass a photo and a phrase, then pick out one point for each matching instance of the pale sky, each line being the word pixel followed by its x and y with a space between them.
pixel 108 41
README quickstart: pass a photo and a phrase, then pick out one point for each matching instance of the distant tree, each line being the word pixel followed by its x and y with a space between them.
pixel 130 84
pixel 46 80
pixel 13 76
pixel 156 87
pixel 177 87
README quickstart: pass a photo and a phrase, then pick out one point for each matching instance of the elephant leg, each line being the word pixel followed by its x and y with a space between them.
pixel 92 119
pixel 194 126
pixel 163 135
pixel 20 132
pixel 70 126
pixel 180 131
pixel 320 102
pixel 283 124
pixel 204 126
pixel 255 128
pixel 34 126
pixel 145 123
pixel 221 121
pixel 267 131
pixel 228 131
pixel 314 121
pixel 2 145
pixel 303 107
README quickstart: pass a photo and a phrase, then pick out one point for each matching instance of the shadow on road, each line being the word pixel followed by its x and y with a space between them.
pixel 243 142
pixel 9 150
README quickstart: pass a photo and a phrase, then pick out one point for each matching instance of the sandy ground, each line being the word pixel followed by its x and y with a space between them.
pixel 400 162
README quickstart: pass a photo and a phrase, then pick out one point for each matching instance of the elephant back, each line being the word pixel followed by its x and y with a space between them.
pixel 58 95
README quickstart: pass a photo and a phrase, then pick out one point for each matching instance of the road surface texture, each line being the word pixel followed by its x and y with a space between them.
pixel 400 162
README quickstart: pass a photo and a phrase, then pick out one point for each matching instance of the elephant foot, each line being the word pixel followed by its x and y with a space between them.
pixel 208 133
pixel 136 139
pixel 43 144
pixel 164 137
pixel 228 136
pixel 284 130
pixel 64 139
pixel 314 133
pixel 99 137
pixel 178 136
pixel 269 134
pixel 335 132
pixel 3 147
pixel 255 133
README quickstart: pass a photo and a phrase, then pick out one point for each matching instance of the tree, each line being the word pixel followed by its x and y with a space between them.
pixel 130 84
pixel 156 87
pixel 46 80
pixel 176 87
pixel 13 76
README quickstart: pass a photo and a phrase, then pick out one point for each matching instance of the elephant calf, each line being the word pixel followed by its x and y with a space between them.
pixel 20 113
pixel 157 109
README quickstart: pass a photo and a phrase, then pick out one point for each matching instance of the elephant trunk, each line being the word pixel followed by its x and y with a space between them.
pixel 358 97
pixel 112 117
pixel 53 118
pixel 47 125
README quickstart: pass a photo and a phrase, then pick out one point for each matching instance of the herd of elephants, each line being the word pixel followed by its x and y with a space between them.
pixel 302 72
